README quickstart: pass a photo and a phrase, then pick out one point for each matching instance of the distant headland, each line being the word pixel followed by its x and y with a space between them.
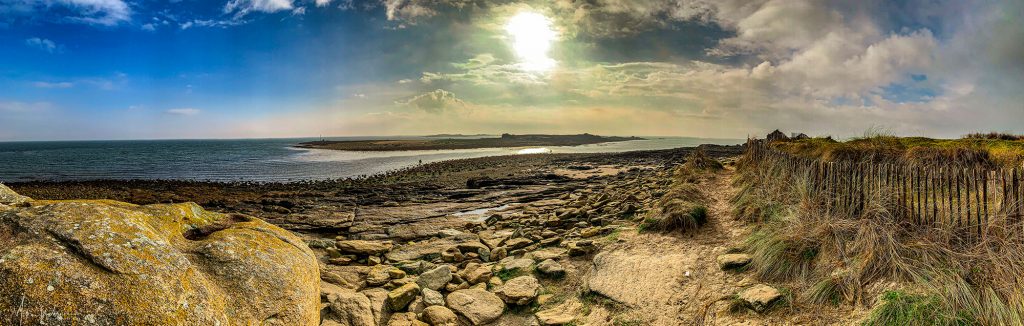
pixel 506 140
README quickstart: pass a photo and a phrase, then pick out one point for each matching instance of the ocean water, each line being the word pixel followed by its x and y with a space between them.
pixel 250 159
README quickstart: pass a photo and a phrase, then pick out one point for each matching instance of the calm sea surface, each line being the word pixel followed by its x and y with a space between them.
pixel 249 159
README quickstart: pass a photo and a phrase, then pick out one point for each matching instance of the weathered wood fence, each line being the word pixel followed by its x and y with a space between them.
pixel 952 197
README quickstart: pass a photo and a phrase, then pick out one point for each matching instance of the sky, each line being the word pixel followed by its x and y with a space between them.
pixel 140 69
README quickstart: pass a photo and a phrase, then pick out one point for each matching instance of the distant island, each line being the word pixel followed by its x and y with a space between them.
pixel 457 135
pixel 506 140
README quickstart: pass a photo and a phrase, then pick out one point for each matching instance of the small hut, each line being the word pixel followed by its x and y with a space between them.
pixel 776 136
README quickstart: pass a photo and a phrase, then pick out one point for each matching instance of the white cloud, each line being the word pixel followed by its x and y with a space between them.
pixel 42 44
pixel 183 111
pixel 323 3
pixel 435 101
pixel 242 7
pixel 42 84
pixel 98 12
pixel 148 27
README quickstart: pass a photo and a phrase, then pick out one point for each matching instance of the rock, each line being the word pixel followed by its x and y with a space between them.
pixel 351 308
pixel 551 268
pixel 10 198
pixel 103 262
pixel 431 297
pixel 440 316
pixel 476 274
pixel 396 273
pixel 499 254
pixel 405 319
pixel 547 253
pixel 478 306
pixel 760 297
pixel 321 243
pixel 436 278
pixel 581 248
pixel 495 282
pixel 400 297
pixel 351 277
pixel 378 304
pixel 733 261
pixel 590 232
pixel 562 314
pixel 363 247
pixel 521 265
pixel 378 275
pixel 452 255
pixel 519 291
pixel 637 277
pixel 517 243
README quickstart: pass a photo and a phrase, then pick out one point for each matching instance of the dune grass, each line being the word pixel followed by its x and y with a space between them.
pixel 683 206
pixel 994 150
pixel 833 258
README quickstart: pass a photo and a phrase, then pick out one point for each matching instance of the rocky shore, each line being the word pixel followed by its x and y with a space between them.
pixel 524 240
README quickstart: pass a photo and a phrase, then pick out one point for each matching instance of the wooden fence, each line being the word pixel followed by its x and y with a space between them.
pixel 952 197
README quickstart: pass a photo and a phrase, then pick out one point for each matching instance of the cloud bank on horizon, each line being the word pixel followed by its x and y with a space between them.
pixel 115 69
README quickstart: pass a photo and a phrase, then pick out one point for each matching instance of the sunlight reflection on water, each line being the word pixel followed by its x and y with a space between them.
pixel 539 150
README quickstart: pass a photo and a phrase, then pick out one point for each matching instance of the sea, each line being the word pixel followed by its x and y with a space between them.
pixel 254 160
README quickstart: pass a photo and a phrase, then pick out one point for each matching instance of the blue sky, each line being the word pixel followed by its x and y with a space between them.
pixel 124 69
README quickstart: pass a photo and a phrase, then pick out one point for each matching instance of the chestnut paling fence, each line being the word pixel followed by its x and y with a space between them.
pixel 958 198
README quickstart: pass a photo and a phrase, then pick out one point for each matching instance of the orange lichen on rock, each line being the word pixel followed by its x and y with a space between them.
pixel 112 263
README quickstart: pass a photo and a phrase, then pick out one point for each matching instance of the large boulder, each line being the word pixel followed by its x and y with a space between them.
pixel 101 262
pixel 440 316
pixel 477 305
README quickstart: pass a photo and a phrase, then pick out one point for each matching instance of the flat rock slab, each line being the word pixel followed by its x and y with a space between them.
pixel 478 306
pixel 760 297
pixel 733 261
pixel 636 280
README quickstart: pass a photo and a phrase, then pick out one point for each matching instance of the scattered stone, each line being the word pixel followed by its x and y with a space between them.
pixel 733 261
pixel 478 274
pixel 378 304
pixel 495 282
pixel 440 316
pixel 760 297
pixel 520 265
pixel 351 308
pixel 551 268
pixel 519 291
pixel 499 254
pixel 378 275
pixel 405 319
pixel 400 297
pixel 563 314
pixel 478 306
pixel 436 278
pixel 518 243
pixel 452 255
pixel 364 247
pixel 431 297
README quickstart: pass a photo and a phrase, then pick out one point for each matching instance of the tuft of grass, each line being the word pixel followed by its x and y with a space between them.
pixel 700 161
pixel 900 308
pixel 781 256
pixel 829 291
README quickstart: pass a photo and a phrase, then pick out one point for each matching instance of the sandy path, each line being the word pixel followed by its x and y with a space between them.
pixel 674 279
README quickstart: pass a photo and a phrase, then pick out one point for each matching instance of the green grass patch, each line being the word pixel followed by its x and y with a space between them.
pixel 899 308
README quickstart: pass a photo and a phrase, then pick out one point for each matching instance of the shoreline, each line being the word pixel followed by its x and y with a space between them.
pixel 505 141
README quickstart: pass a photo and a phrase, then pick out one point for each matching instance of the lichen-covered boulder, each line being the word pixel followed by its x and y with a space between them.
pixel 97 262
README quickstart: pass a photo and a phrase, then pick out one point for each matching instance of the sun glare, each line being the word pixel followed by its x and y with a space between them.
pixel 532 35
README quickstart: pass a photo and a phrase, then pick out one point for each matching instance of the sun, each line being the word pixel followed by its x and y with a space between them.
pixel 532 35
